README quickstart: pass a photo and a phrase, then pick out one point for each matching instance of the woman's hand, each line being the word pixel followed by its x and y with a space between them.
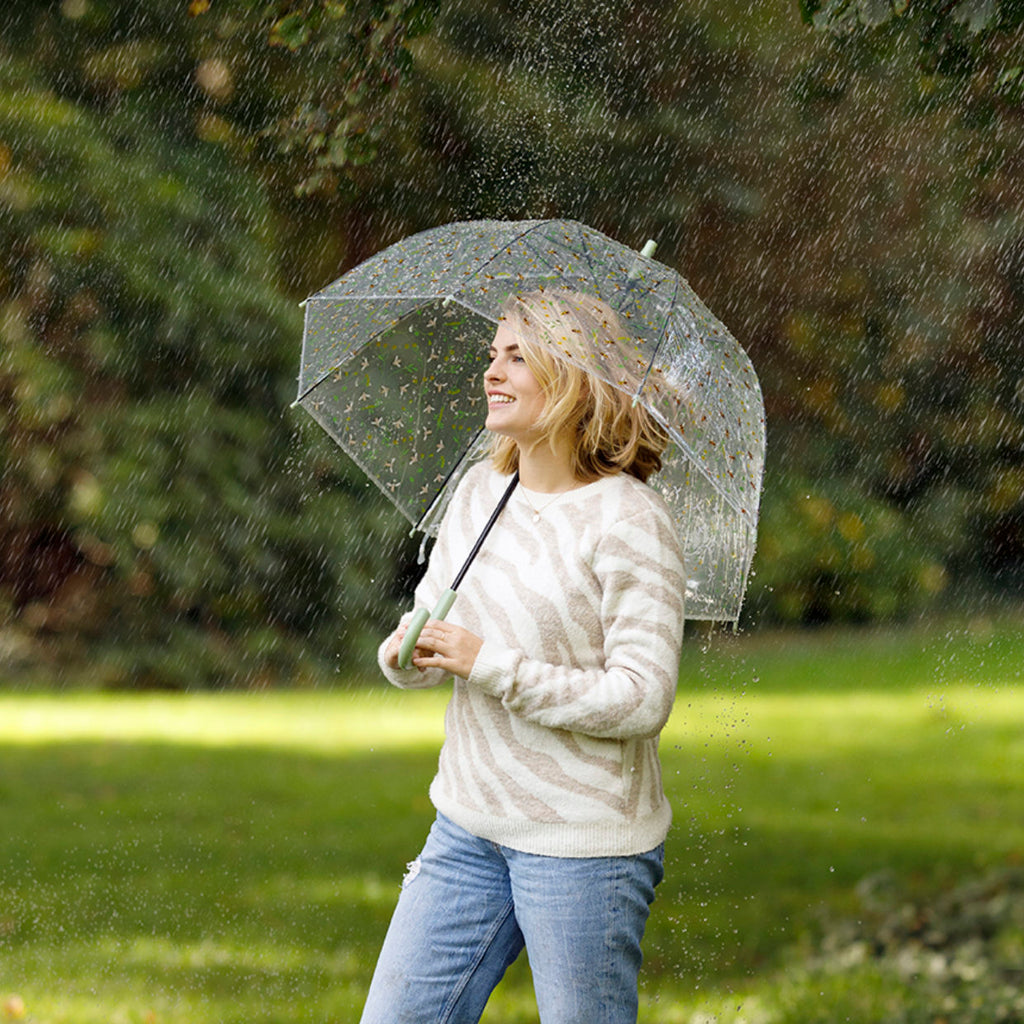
pixel 447 647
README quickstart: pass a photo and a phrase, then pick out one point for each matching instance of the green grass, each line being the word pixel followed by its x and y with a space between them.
pixel 221 858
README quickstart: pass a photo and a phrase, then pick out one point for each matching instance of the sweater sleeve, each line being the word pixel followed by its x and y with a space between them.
pixel 639 567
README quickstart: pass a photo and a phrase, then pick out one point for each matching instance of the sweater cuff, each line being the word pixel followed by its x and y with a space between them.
pixel 494 670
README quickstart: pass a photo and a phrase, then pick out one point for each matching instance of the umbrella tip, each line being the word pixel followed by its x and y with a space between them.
pixel 646 252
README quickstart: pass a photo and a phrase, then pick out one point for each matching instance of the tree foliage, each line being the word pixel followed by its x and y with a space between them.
pixel 154 497
pixel 962 38
pixel 926 405
pixel 334 65
pixel 173 178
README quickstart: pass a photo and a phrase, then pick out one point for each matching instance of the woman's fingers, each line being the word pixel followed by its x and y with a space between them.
pixel 438 635
pixel 452 648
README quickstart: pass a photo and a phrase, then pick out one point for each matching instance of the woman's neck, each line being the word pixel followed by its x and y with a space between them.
pixel 547 469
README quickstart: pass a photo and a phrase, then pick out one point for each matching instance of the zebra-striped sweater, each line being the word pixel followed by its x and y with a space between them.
pixel 551 745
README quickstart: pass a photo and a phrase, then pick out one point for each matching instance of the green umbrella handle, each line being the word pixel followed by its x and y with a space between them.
pixel 416 624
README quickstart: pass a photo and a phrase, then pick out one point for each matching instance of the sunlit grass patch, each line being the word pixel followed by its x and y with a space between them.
pixel 327 721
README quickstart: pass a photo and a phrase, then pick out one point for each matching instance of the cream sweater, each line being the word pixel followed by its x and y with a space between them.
pixel 551 746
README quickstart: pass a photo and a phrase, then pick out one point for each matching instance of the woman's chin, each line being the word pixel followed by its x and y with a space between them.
pixel 498 425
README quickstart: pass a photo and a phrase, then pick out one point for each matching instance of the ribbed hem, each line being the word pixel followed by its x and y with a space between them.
pixel 562 839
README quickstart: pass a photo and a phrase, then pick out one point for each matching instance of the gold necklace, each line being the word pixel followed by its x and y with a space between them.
pixel 538 509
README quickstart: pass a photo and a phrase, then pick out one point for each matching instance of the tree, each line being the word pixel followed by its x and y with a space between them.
pixel 158 504
pixel 335 64
pixel 961 38
pixel 941 289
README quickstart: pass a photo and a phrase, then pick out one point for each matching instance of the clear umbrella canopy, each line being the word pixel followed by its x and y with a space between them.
pixel 394 354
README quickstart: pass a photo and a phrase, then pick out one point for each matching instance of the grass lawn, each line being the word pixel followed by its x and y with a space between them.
pixel 235 857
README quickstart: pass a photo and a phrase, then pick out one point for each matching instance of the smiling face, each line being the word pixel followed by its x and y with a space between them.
pixel 574 388
pixel 514 396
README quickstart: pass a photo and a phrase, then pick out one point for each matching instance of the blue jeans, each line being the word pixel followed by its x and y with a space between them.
pixel 467 908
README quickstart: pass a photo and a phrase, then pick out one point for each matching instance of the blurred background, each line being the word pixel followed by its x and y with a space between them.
pixel 839 180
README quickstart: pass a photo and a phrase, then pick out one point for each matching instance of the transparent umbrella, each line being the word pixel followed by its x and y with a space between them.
pixel 394 354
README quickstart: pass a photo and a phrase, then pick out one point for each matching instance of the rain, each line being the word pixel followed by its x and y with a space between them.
pixel 209 793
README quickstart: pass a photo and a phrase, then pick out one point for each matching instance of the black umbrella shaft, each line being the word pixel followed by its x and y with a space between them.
pixel 486 530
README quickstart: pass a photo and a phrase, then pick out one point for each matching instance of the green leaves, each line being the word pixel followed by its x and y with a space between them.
pixel 146 358
pixel 935 26
pixel 976 15
pixel 844 15
pixel 328 116
pixel 292 31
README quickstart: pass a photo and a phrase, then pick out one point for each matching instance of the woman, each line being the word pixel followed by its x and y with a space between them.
pixel 564 651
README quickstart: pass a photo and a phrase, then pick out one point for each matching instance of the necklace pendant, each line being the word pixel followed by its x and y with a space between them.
pixel 536 517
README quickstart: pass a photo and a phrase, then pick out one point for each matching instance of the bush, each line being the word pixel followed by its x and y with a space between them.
pixel 828 551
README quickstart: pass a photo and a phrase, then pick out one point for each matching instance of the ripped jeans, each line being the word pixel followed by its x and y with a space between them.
pixel 467 908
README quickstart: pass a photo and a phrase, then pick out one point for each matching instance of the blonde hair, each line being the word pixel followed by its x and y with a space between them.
pixel 564 337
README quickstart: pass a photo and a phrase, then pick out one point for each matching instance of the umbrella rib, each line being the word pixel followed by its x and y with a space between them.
pixel 587 255
pixel 587 251
pixel 407 296
pixel 535 226
pixel 694 460
pixel 698 465
pixel 540 254
pixel 661 341
pixel 414 296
